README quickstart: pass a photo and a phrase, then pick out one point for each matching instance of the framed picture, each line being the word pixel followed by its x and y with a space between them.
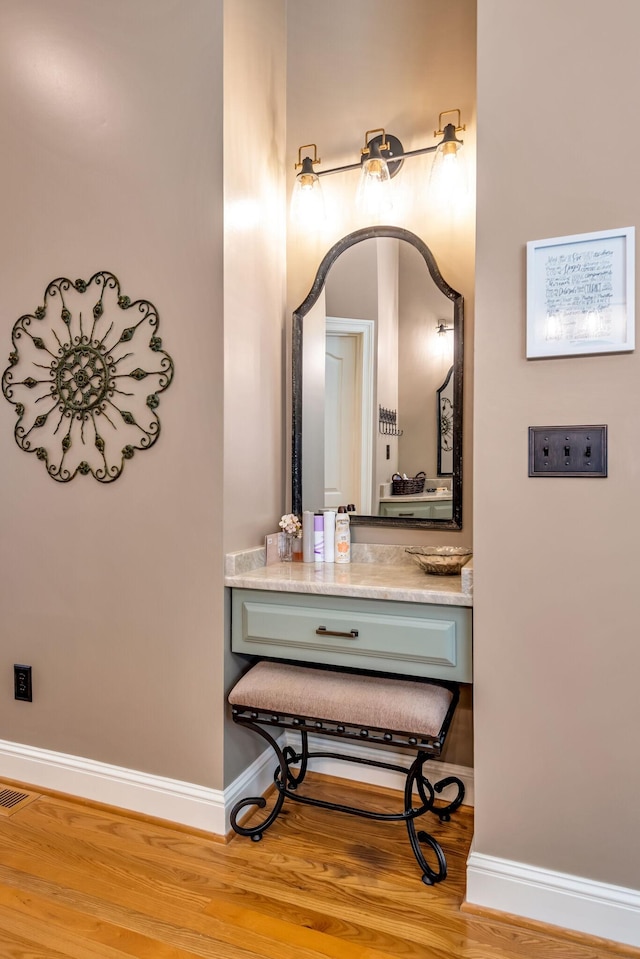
pixel 580 294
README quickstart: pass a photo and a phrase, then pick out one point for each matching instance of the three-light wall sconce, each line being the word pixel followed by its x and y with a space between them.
pixel 382 157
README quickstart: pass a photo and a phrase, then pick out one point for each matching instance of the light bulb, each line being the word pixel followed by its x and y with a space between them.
pixel 373 197
pixel 445 342
pixel 307 201
pixel 448 177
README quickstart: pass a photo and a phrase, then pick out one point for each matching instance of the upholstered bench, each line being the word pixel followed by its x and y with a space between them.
pixel 368 707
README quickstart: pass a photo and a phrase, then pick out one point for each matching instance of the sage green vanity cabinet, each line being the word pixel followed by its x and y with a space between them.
pixel 414 639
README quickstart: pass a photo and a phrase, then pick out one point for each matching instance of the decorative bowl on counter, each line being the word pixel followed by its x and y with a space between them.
pixel 440 560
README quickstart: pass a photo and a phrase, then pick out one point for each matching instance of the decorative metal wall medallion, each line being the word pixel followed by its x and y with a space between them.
pixel 446 395
pixel 446 424
pixel 85 375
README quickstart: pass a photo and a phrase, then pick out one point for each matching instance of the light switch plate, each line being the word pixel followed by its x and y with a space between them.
pixel 568 451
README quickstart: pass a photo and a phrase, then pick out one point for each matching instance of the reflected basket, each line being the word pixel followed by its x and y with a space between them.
pixel 414 484
pixel 440 560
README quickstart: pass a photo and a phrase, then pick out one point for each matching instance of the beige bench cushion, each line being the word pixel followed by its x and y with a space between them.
pixel 367 701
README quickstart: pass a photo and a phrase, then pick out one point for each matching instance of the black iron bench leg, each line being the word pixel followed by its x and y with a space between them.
pixel 444 812
pixel 425 790
pixel 285 779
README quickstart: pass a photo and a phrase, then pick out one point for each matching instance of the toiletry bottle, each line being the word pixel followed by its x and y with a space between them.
pixel 307 536
pixel 343 537
pixel 318 538
pixel 329 535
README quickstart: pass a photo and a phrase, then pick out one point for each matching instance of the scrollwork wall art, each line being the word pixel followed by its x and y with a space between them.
pixel 85 376
pixel 445 426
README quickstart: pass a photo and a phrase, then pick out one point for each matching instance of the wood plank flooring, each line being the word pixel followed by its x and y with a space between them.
pixel 84 882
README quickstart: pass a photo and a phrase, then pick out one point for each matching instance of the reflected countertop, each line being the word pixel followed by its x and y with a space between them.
pixel 375 573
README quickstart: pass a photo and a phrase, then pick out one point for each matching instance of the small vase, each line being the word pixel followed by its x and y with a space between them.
pixel 286 547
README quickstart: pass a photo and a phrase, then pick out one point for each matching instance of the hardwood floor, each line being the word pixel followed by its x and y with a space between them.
pixel 84 882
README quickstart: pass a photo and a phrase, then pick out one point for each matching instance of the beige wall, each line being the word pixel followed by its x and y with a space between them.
pixel 387 379
pixel 352 287
pixel 367 63
pixel 555 619
pixel 112 159
pixel 114 594
pixel 254 267
pixel 425 358
pixel 252 497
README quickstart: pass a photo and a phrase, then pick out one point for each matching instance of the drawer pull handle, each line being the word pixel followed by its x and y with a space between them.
pixel 323 631
pixel 406 514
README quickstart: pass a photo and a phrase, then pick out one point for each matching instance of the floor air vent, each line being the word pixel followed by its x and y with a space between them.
pixel 11 800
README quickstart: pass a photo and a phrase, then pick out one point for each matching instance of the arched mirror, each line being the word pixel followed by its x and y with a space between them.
pixel 377 385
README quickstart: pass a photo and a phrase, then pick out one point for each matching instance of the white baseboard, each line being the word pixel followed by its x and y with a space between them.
pixel 190 804
pixel 171 799
pixel 254 781
pixel 560 899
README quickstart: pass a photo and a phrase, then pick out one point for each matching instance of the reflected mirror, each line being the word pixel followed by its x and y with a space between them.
pixel 377 385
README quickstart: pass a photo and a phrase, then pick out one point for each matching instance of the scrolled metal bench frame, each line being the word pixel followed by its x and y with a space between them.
pixel 287 779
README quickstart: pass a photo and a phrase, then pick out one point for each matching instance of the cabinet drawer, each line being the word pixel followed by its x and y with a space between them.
pixel 419 510
pixel 415 639
pixel 424 510
pixel 442 510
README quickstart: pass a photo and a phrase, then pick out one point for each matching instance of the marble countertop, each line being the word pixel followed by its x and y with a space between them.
pixel 383 572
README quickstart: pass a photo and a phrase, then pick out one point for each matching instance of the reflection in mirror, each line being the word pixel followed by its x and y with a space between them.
pixel 377 385
pixel 445 426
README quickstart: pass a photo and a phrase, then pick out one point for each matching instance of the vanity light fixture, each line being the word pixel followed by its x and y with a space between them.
pixel 381 159
pixel 442 328
pixel 307 201
pixel 448 177
pixel 373 197
pixel 445 346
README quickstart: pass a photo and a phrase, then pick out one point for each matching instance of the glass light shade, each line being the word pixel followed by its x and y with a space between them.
pixel 445 343
pixel 373 197
pixel 307 200
pixel 448 177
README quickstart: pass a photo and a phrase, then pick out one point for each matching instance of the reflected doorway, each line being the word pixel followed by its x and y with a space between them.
pixel 349 408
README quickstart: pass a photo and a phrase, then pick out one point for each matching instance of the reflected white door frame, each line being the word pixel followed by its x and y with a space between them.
pixel 364 330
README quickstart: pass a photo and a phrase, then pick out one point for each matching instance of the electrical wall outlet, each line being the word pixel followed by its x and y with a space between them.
pixel 22 683
pixel 568 451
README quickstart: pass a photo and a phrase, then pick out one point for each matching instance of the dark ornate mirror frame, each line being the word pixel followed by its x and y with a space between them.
pixel 297 344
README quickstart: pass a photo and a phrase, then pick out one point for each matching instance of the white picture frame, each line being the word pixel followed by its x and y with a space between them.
pixel 581 294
